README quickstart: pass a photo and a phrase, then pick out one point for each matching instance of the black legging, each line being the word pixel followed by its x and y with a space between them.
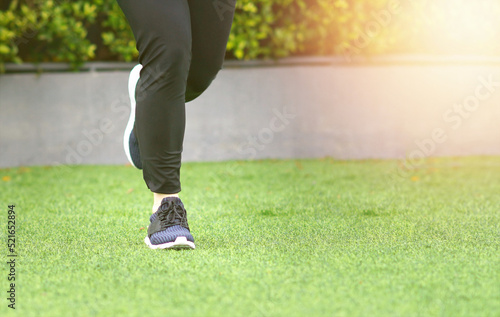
pixel 181 46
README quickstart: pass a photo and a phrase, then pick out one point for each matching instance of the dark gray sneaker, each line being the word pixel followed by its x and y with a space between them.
pixel 168 228
pixel 130 144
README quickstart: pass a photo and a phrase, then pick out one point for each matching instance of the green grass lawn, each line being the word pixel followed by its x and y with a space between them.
pixel 273 238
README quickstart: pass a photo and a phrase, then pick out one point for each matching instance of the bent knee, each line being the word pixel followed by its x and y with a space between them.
pixel 198 83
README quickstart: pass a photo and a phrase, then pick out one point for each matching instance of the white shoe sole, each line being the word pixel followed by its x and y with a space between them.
pixel 132 83
pixel 179 243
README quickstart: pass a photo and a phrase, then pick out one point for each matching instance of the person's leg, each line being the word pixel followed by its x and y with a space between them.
pixel 130 143
pixel 163 33
pixel 210 27
pixel 162 29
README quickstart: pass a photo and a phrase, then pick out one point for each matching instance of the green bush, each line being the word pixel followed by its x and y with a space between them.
pixel 81 30
pixel 48 30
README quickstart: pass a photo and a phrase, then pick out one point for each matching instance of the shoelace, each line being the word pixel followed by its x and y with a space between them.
pixel 173 214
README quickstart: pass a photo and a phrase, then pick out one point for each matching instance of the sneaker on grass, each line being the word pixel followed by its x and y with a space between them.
pixel 168 228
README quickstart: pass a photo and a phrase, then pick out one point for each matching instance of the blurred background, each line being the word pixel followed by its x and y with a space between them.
pixel 82 30
pixel 358 79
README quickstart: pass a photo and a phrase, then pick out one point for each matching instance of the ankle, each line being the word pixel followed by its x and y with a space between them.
pixel 157 198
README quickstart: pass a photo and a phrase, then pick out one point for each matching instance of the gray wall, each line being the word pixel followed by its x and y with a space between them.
pixel 390 108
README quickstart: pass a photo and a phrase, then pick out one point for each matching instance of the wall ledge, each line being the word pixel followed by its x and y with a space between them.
pixel 385 60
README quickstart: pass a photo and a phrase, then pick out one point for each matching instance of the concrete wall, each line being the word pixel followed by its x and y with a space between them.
pixel 299 109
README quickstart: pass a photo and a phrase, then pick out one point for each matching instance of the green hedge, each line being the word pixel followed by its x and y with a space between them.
pixel 81 30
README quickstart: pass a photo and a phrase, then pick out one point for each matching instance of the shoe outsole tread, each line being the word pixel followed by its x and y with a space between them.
pixel 179 244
